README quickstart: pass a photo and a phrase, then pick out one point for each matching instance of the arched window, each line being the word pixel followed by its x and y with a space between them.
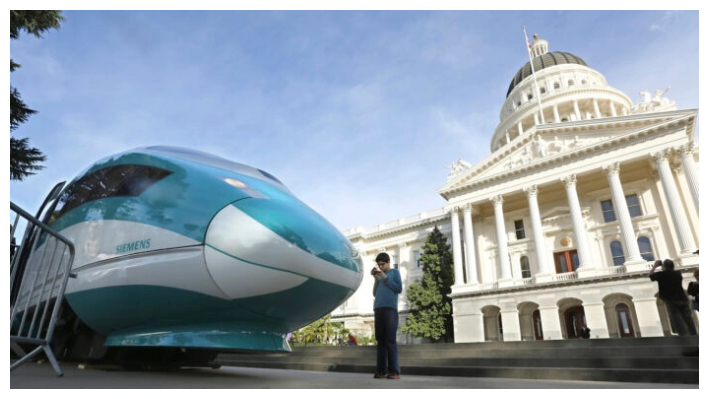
pixel 571 82
pixel 583 82
pixel 524 265
pixel 645 248
pixel 556 85
pixel 625 324
pixel 617 253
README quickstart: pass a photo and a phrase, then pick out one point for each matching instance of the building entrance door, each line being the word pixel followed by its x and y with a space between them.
pixel 537 321
pixel 574 318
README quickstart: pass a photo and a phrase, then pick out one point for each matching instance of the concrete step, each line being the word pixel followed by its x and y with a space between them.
pixel 617 363
pixel 662 359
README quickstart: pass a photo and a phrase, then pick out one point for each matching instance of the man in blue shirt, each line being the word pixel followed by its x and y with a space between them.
pixel 387 287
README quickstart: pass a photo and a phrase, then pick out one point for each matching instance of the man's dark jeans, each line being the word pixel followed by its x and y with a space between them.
pixel 386 322
pixel 681 317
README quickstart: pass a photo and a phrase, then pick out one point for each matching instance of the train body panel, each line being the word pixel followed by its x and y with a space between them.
pixel 180 248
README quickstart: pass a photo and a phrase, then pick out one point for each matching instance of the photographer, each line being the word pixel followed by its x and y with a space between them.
pixel 669 282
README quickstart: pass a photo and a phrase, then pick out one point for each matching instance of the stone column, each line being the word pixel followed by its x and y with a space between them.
pixel 596 319
pixel 471 260
pixel 540 250
pixel 536 119
pixel 457 253
pixel 577 111
pixel 507 136
pixel 519 128
pixel 596 109
pixel 679 218
pixel 551 324
pixel 690 171
pixel 468 322
pixel 557 119
pixel 510 325
pixel 582 247
pixel 502 254
pixel 633 258
pixel 613 110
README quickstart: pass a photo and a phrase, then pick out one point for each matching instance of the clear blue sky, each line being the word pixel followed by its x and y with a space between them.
pixel 358 113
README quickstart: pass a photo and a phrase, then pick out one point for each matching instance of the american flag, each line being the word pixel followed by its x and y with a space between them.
pixel 529 46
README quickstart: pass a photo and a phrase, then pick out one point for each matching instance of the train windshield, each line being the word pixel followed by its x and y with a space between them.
pixel 113 181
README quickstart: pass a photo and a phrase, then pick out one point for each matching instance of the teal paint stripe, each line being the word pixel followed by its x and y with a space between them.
pixel 273 268
pixel 156 308
pixel 301 226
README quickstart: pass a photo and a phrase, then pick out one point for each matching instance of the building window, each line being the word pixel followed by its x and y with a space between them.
pixel 417 258
pixel 633 205
pixel 529 96
pixel 556 85
pixel 571 82
pixel 524 265
pixel 645 248
pixel 519 230
pixel 566 261
pixel 617 253
pixel 625 324
pixel 543 90
pixel 608 212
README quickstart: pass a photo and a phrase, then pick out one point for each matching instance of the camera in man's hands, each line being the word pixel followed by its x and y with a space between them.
pixel 375 271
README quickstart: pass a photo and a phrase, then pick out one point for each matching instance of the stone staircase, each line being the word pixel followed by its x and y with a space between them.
pixel 661 359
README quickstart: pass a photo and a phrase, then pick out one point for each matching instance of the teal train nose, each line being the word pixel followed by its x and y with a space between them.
pixel 284 253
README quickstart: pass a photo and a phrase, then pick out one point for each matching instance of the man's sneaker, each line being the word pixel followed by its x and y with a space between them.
pixel 395 376
pixel 380 375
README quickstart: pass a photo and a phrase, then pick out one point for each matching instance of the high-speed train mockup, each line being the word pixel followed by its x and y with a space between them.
pixel 177 248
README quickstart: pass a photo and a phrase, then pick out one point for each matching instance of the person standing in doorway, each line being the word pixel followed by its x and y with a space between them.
pixel 387 287
pixel 693 290
pixel 669 282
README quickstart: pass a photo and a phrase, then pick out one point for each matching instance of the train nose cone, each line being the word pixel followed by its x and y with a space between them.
pixel 261 247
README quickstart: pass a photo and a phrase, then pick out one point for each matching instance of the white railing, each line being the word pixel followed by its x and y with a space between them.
pixel 565 276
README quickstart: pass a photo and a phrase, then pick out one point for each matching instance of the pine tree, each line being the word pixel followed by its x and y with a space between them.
pixel 25 160
pixel 431 309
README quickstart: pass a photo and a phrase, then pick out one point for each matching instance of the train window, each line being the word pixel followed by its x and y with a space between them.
pixel 113 181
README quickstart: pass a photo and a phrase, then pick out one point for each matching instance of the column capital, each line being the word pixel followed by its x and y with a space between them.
pixel 686 150
pixel 569 181
pixel 661 156
pixel 532 191
pixel 497 199
pixel 468 208
pixel 612 169
pixel 452 209
pixel 403 245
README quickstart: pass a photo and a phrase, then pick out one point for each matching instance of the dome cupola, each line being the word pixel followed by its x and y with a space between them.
pixel 566 90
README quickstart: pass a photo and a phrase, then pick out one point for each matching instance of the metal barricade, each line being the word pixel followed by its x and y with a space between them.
pixel 41 266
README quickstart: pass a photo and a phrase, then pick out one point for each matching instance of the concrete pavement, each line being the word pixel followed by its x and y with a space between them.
pixel 42 376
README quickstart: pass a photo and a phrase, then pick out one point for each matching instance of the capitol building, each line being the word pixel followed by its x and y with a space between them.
pixel 558 226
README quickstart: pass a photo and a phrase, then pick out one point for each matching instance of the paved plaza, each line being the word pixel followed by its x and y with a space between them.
pixel 41 376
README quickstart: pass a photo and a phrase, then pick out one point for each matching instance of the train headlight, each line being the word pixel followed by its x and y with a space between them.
pixel 250 191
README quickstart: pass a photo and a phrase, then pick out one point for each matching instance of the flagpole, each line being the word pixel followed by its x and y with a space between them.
pixel 534 75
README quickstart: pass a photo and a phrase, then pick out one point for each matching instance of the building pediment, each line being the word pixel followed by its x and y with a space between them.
pixel 550 144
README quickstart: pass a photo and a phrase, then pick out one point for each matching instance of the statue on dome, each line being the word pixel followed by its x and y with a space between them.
pixel 457 167
pixel 653 104
pixel 658 100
